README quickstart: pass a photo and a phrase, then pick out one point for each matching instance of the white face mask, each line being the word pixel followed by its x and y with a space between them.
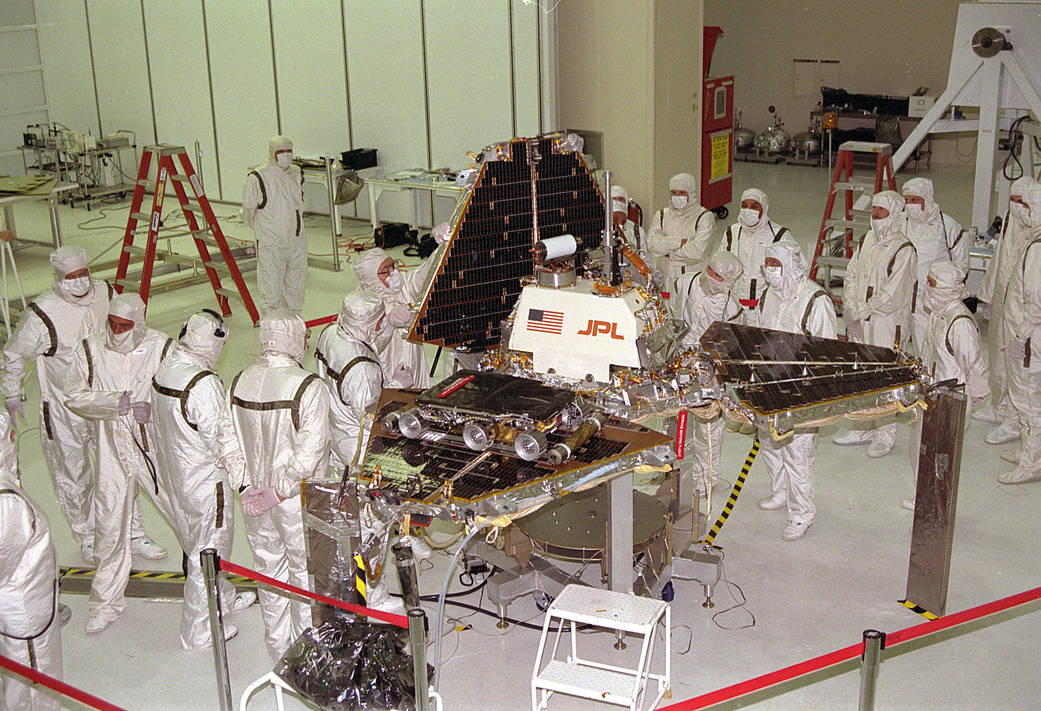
pixel 121 342
pixel 394 281
pixel 882 226
pixel 1020 211
pixel 679 202
pixel 284 160
pixel 712 287
pixel 915 211
pixel 749 217
pixel 773 276
pixel 76 288
pixel 619 206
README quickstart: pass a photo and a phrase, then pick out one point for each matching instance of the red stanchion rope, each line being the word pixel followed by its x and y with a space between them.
pixel 389 617
pixel 320 321
pixel 841 655
pixel 58 685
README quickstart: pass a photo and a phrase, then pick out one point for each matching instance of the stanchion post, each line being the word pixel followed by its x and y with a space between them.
pixel 417 621
pixel 210 569
pixel 873 644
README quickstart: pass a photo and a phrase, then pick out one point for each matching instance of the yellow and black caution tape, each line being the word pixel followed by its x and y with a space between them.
pixel 919 610
pixel 177 576
pixel 359 577
pixel 734 493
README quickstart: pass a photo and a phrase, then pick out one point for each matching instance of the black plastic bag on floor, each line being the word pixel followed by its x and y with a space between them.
pixel 350 664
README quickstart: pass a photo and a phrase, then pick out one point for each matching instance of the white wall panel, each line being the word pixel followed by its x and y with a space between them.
pixel 21 48
pixel 177 53
pixel 386 78
pixel 243 87
pixel 120 67
pixel 312 88
pixel 468 69
pixel 312 91
pixel 66 58
pixel 526 66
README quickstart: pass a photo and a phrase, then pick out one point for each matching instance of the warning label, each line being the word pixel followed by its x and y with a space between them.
pixel 720 165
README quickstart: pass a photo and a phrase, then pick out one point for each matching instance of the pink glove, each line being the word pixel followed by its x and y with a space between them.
pixel 400 315
pixel 1017 350
pixel 142 411
pixel 14 407
pixel 441 233
pixel 854 329
pixel 977 400
pixel 403 377
pixel 124 404
pixel 257 500
pixel 986 310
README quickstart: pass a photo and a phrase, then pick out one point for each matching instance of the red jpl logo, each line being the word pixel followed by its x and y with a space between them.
pixel 595 328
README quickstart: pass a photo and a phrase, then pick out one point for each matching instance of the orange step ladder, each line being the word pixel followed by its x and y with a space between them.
pixel 835 239
pixel 209 235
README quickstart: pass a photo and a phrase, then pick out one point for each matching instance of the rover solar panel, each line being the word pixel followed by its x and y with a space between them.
pixel 527 189
pixel 793 377
pixel 497 444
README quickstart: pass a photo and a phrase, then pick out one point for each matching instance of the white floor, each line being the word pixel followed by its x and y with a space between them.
pixel 807 598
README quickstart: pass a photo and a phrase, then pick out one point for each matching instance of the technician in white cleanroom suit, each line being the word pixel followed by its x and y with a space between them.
pixel 880 285
pixel 110 383
pixel 795 304
pixel 200 464
pixel 281 417
pixel 951 343
pixel 272 204
pixel 700 299
pixel 748 238
pixel 1023 346
pixel 936 237
pixel 404 363
pixel 1015 234
pixel 30 629
pixel 55 323
pixel 634 235
pixel 349 364
pixel 679 236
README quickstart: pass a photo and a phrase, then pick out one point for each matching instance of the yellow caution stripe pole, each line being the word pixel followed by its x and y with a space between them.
pixel 734 493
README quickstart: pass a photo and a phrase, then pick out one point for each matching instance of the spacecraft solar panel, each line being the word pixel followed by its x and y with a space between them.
pixel 532 192
pixel 776 371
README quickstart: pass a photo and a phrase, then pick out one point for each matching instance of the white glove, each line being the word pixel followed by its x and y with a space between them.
pixel 403 376
pixel 1016 349
pixel 257 500
pixel 124 404
pixel 142 411
pixel 400 315
pixel 986 310
pixel 977 400
pixel 14 407
pixel 441 233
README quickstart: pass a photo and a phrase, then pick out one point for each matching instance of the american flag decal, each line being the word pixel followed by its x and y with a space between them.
pixel 543 321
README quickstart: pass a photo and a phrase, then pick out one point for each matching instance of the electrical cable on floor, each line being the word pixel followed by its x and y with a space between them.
pixel 740 603
pixel 440 619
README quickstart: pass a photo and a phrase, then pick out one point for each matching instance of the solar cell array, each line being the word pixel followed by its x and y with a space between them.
pixel 531 193
pixel 776 371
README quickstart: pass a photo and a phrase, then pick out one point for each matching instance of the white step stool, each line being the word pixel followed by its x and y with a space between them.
pixel 622 686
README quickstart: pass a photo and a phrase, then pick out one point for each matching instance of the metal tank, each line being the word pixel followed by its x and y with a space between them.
pixel 774 139
pixel 744 138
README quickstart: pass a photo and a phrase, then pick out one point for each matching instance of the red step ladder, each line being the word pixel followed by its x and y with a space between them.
pixel 835 239
pixel 205 237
